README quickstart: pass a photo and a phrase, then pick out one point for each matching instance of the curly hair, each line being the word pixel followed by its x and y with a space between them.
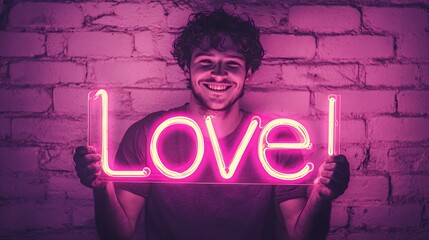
pixel 215 26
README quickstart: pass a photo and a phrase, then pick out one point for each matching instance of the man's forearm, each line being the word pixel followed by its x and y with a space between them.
pixel 314 220
pixel 111 220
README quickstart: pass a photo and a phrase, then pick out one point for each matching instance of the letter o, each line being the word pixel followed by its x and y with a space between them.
pixel 154 151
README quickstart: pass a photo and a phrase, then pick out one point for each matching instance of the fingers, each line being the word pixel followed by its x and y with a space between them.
pixel 338 159
pixel 338 164
pixel 334 176
pixel 83 150
pixel 86 154
pixel 336 171
pixel 337 185
pixel 88 159
pixel 86 170
pixel 89 176
pixel 88 165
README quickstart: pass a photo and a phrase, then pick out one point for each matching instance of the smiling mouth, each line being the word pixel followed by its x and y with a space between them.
pixel 217 87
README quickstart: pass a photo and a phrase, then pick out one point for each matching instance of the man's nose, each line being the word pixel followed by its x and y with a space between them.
pixel 218 72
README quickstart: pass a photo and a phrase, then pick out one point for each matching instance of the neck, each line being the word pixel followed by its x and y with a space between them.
pixel 224 121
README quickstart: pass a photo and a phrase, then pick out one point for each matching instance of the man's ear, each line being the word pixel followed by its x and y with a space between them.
pixel 249 75
pixel 186 72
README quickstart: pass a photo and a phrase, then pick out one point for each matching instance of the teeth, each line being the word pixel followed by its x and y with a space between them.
pixel 217 87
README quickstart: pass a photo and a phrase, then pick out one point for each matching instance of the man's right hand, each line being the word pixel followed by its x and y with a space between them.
pixel 88 167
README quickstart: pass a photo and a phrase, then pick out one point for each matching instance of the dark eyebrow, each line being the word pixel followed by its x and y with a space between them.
pixel 240 57
pixel 236 56
pixel 203 54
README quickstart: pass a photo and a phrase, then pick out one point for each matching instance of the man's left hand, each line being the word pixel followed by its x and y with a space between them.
pixel 333 178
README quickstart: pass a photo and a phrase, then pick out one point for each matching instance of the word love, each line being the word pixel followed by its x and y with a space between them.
pixel 226 171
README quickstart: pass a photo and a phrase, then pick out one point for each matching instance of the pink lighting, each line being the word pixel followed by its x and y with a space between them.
pixel 334 125
pixel 145 172
pixel 163 173
pixel 264 145
pixel 154 149
pixel 228 172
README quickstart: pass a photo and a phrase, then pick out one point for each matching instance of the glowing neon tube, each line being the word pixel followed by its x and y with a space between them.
pixel 264 145
pixel 334 125
pixel 228 172
pixel 154 150
pixel 145 172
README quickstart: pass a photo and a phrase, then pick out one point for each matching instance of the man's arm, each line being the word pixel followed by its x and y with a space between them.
pixel 306 219
pixel 310 219
pixel 116 210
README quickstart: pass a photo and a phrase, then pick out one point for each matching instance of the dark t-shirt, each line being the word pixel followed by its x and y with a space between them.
pixel 203 211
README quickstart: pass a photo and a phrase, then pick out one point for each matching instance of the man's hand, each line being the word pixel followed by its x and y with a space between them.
pixel 333 178
pixel 88 166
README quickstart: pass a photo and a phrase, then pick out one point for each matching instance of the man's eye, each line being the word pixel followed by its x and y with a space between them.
pixel 206 62
pixel 233 64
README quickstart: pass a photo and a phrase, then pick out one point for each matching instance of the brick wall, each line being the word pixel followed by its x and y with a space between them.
pixel 374 53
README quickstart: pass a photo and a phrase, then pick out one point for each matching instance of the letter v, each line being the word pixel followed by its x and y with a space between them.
pixel 228 172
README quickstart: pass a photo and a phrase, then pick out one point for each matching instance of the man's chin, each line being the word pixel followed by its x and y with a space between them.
pixel 216 107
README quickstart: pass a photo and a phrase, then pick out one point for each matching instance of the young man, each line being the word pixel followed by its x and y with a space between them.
pixel 218 53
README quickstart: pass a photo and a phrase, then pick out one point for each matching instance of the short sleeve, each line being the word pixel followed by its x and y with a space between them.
pixel 284 159
pixel 131 154
pixel 287 192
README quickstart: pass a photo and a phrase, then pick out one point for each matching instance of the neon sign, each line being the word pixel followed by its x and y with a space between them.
pixel 226 172
pixel 154 150
pixel 264 145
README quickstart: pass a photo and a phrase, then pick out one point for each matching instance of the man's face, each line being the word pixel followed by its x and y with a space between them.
pixel 218 76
